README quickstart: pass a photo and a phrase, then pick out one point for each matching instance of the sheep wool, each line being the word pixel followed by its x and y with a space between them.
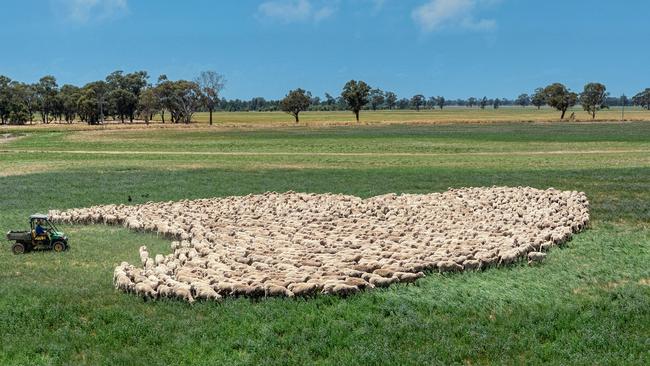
pixel 299 244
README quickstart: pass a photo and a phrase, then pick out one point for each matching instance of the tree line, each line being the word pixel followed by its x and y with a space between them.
pixel 119 97
pixel 357 96
pixel 129 96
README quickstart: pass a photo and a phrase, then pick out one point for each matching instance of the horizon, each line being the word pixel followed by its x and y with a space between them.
pixel 424 47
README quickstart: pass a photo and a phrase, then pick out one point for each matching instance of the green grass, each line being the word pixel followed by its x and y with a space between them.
pixel 589 303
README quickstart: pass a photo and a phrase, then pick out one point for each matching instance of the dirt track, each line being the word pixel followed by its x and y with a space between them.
pixel 397 154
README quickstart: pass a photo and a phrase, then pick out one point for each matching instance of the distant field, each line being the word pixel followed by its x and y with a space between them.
pixel 587 304
pixel 447 115
pixel 451 114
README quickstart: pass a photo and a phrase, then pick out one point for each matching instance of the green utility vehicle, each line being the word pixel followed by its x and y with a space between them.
pixel 42 236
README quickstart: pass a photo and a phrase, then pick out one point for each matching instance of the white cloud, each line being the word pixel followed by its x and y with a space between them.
pixel 83 11
pixel 292 11
pixel 438 14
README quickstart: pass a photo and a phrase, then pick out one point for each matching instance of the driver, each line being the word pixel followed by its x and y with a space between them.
pixel 39 228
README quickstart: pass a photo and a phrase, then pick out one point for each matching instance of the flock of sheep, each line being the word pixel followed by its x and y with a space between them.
pixel 299 244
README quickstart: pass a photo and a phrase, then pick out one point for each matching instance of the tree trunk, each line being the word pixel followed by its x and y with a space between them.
pixel 296 116
pixel 563 112
pixel 162 114
pixel 356 113
pixel 210 116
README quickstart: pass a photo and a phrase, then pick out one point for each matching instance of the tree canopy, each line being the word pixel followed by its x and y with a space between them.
pixel 559 97
pixel 594 98
pixel 356 93
pixel 642 99
pixel 539 98
pixel 295 102
pixel 417 101
pixel 210 84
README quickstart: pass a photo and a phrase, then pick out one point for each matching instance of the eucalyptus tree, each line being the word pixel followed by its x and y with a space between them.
pixel 560 97
pixel 210 84
pixel 295 102
pixel 593 98
pixel 356 96
pixel 417 101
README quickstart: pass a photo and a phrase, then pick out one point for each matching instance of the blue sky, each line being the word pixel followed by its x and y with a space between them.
pixel 455 48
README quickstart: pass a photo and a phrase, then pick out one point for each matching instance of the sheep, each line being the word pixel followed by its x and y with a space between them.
pixel 183 291
pixel 123 282
pixel 283 244
pixel 379 281
pixel 145 290
pixel 303 289
pixel 449 266
pixel 205 291
pixel 275 290
pixel 536 257
pixel 408 277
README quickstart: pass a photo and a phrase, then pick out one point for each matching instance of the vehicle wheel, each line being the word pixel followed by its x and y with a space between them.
pixel 18 248
pixel 59 246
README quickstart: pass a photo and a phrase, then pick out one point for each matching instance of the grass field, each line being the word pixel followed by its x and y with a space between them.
pixel 589 303
pixel 447 115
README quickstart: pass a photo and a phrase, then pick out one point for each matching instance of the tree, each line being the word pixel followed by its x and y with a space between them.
pixel 330 101
pixel 295 102
pixel 148 104
pixel 46 91
pixel 5 98
pixel 417 101
pixel 163 91
pixel 90 105
pixel 642 99
pixel 70 95
pixel 593 98
pixel 124 103
pixel 123 92
pixel 496 103
pixel 403 103
pixel 18 113
pixel 441 102
pixel 391 100
pixel 559 97
pixel 184 101
pixel 539 98
pixel 355 94
pixel 523 100
pixel 472 102
pixel 376 98
pixel 483 103
pixel 211 84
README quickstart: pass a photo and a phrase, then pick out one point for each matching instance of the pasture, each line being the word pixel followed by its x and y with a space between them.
pixel 446 115
pixel 451 114
pixel 589 303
